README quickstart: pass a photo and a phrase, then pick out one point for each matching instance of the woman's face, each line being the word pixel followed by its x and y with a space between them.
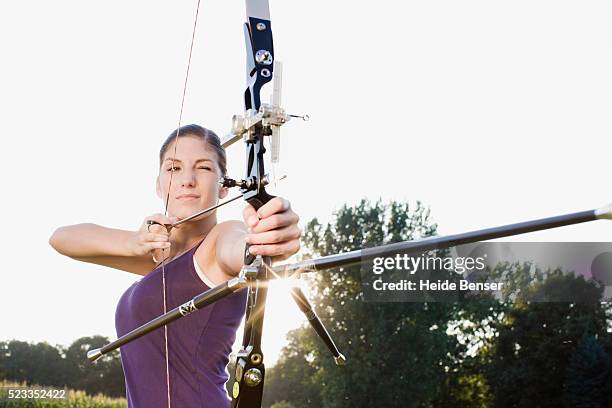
pixel 195 175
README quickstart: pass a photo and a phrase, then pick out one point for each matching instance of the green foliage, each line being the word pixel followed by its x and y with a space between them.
pixel 103 376
pixel 47 365
pixel 294 376
pixel 402 343
pixel 529 357
pixel 38 363
pixel 589 376
pixel 463 390
pixel 283 404
pixel 398 353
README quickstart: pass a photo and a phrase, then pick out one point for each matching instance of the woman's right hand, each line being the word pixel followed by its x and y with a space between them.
pixel 151 239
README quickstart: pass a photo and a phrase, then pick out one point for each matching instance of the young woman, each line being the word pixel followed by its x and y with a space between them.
pixel 184 364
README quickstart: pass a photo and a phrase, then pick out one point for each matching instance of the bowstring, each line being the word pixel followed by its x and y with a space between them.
pixel 176 139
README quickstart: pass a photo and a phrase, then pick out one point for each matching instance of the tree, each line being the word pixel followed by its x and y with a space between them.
pixel 589 376
pixel 294 378
pixel 104 376
pixel 526 364
pixel 399 354
pixel 38 363
pixel 43 364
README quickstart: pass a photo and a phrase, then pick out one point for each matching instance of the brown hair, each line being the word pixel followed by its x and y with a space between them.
pixel 206 135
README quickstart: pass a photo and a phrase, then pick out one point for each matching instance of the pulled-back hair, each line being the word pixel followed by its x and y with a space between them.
pixel 205 135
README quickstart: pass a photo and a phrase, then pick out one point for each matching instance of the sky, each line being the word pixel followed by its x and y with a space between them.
pixel 487 112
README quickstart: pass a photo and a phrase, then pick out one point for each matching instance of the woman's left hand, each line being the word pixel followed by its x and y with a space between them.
pixel 272 230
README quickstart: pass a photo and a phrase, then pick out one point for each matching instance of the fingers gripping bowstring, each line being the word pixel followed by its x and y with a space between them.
pixel 176 140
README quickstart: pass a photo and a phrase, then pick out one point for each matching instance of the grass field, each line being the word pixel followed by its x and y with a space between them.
pixel 72 399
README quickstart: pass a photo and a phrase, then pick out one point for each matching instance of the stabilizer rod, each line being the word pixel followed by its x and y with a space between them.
pixel 441 242
pixel 316 323
pixel 198 302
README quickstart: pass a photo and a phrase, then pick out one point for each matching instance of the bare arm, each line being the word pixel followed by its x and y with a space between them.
pixel 230 247
pixel 272 231
pixel 120 249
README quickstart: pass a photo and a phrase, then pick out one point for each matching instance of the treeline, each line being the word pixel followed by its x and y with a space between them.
pixel 47 365
pixel 477 352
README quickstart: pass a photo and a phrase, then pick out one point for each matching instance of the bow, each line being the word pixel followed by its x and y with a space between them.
pixel 259 121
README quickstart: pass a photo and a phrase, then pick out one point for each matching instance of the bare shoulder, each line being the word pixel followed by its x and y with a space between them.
pixel 229 226
pixel 220 230
pixel 206 255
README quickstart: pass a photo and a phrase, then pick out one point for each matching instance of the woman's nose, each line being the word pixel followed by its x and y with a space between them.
pixel 187 179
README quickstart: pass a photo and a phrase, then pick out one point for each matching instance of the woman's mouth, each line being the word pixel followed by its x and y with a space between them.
pixel 187 197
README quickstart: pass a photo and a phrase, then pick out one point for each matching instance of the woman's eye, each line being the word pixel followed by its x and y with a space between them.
pixel 173 169
pixel 205 168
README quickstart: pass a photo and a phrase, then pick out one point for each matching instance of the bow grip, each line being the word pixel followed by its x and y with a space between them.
pixel 257 202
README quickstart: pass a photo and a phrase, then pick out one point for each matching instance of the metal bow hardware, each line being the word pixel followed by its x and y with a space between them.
pixel 258 122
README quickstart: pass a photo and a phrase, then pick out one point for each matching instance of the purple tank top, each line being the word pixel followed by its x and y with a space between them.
pixel 198 344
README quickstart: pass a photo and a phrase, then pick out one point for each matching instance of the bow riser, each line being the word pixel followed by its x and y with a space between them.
pixel 249 374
